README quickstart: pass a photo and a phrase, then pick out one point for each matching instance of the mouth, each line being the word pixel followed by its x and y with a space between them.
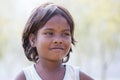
pixel 57 48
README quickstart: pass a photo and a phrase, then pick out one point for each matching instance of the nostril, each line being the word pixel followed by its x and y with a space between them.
pixel 57 42
pixel 60 42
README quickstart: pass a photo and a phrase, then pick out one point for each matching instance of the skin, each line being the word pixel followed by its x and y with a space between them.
pixel 53 43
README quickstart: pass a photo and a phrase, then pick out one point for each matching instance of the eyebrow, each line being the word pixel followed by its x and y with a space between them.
pixel 53 29
pixel 48 29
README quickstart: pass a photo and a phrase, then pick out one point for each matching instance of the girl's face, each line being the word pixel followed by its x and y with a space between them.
pixel 53 40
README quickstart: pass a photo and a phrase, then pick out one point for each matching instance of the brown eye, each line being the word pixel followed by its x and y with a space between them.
pixel 66 34
pixel 49 33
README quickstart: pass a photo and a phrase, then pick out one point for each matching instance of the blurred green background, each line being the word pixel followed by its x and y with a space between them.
pixel 97 32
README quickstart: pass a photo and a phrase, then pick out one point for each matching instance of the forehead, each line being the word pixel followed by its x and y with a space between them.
pixel 57 21
pixel 58 18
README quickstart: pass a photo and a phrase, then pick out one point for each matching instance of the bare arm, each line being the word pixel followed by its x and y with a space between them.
pixel 83 76
pixel 20 76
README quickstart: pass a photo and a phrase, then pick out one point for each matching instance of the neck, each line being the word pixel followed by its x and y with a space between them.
pixel 50 70
pixel 49 65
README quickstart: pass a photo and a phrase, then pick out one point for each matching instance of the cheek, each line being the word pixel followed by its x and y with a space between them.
pixel 42 43
pixel 68 44
pixel 42 48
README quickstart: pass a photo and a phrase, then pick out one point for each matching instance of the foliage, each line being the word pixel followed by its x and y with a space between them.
pixel 97 28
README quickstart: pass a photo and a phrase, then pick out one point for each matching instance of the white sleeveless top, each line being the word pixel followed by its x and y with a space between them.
pixel 72 73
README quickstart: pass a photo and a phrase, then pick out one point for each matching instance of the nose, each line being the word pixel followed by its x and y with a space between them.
pixel 57 40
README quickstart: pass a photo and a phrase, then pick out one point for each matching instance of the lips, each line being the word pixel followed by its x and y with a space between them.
pixel 57 48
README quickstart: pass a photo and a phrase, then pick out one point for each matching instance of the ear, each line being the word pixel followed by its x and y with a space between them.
pixel 32 39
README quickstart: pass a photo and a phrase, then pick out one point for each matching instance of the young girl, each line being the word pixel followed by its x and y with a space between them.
pixel 47 39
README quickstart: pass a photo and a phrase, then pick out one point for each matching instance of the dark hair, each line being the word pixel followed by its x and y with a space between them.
pixel 37 20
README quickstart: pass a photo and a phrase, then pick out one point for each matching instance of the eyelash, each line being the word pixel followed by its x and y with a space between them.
pixel 67 34
pixel 51 33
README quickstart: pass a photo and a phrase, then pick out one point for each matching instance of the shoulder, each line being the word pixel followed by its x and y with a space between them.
pixel 78 73
pixel 84 76
pixel 20 76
